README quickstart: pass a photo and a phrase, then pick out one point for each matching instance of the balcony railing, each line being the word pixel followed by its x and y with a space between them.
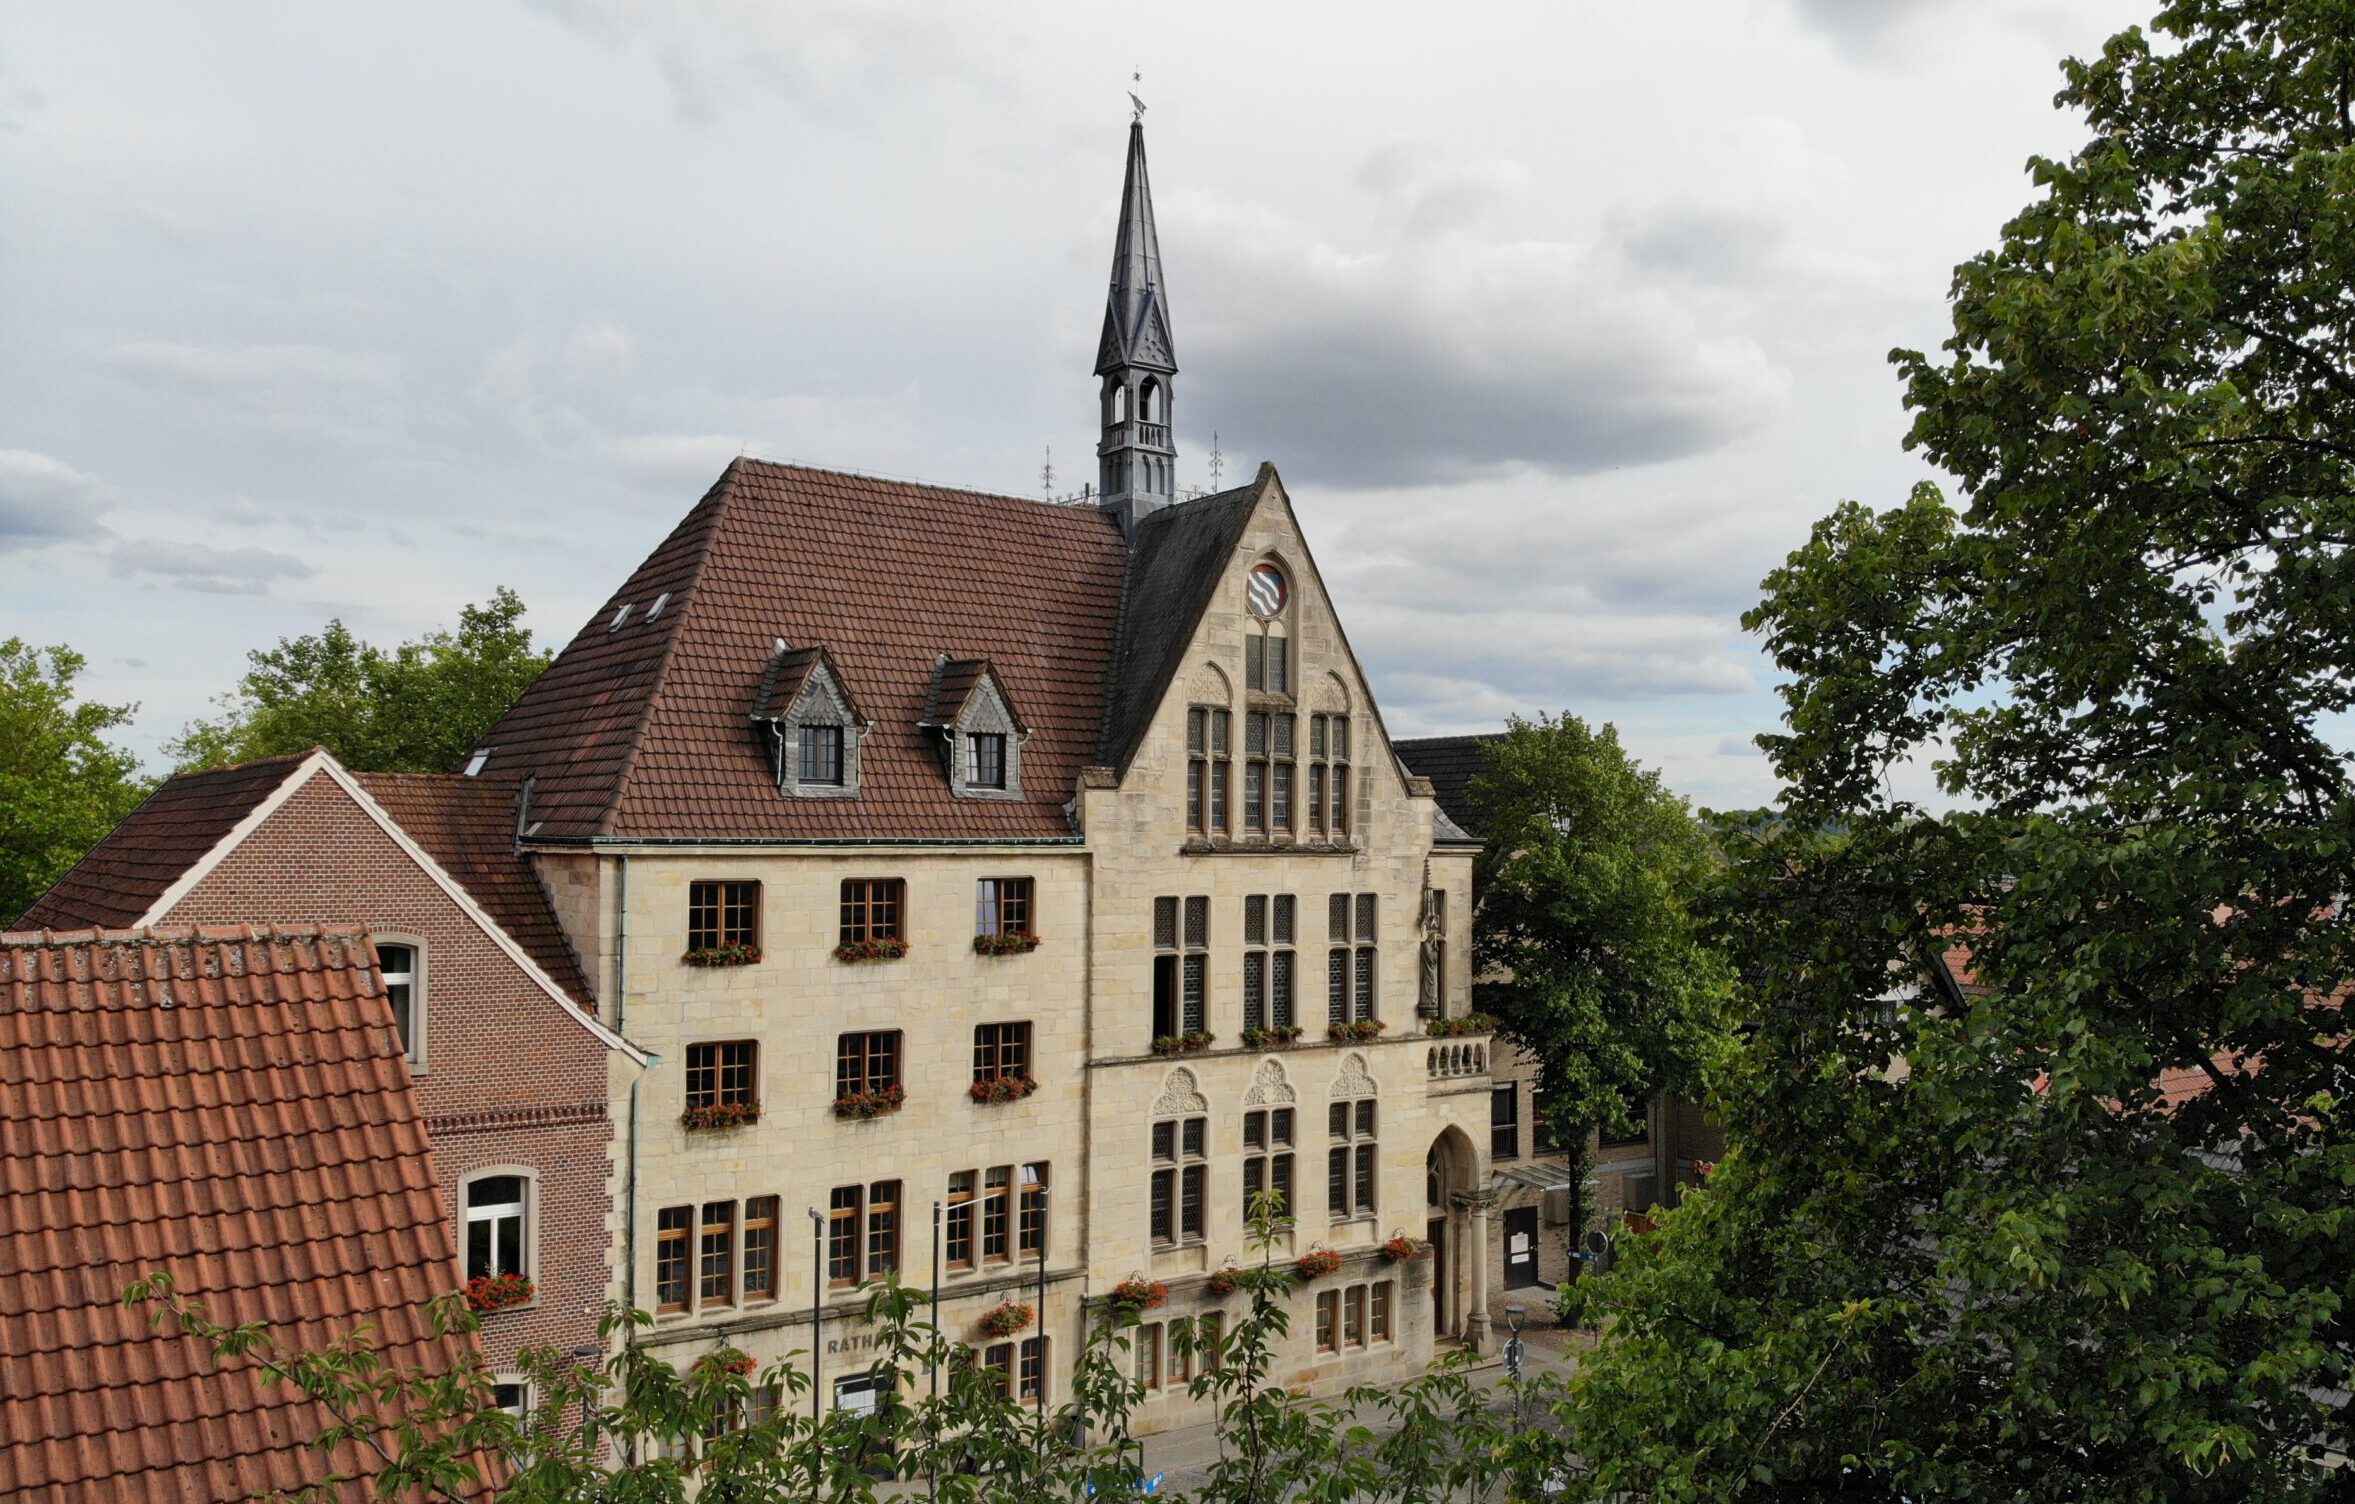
pixel 1458 1058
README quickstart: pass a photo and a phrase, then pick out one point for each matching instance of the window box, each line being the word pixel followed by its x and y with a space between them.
pixel 881 948
pixel 1005 1320
pixel 496 1292
pixel 1272 1039
pixel 1400 1249
pixel 1317 1263
pixel 1003 1088
pixel 727 1360
pixel 1223 1282
pixel 723 955
pixel 1356 1030
pixel 1004 945
pixel 1192 1042
pixel 1137 1294
pixel 1470 1023
pixel 871 1104
pixel 719 1115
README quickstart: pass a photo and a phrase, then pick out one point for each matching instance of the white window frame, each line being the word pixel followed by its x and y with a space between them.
pixel 414 979
pixel 531 1217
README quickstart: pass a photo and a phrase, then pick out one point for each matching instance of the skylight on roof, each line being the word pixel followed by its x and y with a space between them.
pixel 660 601
pixel 621 614
pixel 474 764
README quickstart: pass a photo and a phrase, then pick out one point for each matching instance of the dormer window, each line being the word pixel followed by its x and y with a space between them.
pixel 808 726
pixel 980 736
pixel 988 769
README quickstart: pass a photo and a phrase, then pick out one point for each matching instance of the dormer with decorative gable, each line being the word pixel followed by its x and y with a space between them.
pixel 980 735
pixel 810 727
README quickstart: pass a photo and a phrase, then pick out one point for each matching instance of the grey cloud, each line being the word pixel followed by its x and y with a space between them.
pixel 1861 26
pixel 308 389
pixel 207 570
pixel 44 500
pixel 1707 243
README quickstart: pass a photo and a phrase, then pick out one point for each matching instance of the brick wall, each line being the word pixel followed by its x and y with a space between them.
pixel 507 1079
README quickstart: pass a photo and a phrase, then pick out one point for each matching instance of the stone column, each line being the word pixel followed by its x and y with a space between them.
pixel 1479 1204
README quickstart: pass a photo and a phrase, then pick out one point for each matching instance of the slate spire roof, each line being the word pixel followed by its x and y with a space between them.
pixel 1136 313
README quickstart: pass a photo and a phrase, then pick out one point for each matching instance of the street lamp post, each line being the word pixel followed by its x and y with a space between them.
pixel 1513 1315
pixel 817 1309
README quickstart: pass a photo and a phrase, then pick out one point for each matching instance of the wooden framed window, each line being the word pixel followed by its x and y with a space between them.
pixel 722 914
pixel 1181 966
pixel 1378 1323
pixel 873 908
pixel 1504 1120
pixel 821 754
pixel 1180 1174
pixel 866 1061
pixel 999 1360
pixel 1148 1354
pixel 1329 1321
pixel 987 750
pixel 1353 1316
pixel 1349 1163
pixel 1267 1157
pixel 843 1251
pixel 1034 1368
pixel 997 1214
pixel 1001 906
pixel 960 1220
pixel 882 1228
pixel 716 1246
pixel 722 1074
pixel 1030 1229
pixel 1001 1051
pixel 1210 1333
pixel 673 1281
pixel 760 1248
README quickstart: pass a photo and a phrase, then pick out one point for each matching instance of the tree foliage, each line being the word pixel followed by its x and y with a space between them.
pixel 1587 948
pixel 62 784
pixel 2082 1228
pixel 419 707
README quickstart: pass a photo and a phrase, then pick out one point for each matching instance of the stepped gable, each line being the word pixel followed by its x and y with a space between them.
pixel 468 826
pixel 123 876
pixel 1180 556
pixel 644 730
pixel 230 1106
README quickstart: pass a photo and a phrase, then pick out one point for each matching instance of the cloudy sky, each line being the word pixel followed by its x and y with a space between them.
pixel 1561 320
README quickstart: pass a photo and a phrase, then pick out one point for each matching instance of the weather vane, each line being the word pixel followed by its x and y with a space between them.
pixel 1137 77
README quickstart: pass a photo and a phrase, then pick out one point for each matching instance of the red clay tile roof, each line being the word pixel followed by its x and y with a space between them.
pixel 126 873
pixel 468 826
pixel 645 730
pixel 234 1110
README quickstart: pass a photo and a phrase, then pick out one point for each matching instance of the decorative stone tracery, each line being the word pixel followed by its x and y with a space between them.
pixel 1269 1086
pixel 1181 1096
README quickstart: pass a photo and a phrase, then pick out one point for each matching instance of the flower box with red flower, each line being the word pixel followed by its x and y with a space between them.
pixel 880 948
pixel 722 955
pixel 710 1115
pixel 1005 1320
pixel 1001 1089
pixel 496 1292
pixel 871 1104
pixel 728 1360
pixel 1138 1294
pixel 1400 1249
pixel 1013 944
pixel 1223 1282
pixel 1317 1263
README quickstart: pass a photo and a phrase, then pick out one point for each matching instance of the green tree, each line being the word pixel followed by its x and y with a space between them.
pixel 2083 1228
pixel 1586 945
pixel 420 707
pixel 62 785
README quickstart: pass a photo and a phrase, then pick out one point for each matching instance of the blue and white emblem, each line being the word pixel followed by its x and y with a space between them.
pixel 1268 590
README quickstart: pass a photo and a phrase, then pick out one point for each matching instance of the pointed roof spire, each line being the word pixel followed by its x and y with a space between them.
pixel 1136 315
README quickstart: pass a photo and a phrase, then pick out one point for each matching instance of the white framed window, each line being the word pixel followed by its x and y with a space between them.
pixel 400 961
pixel 497 1205
pixel 512 1393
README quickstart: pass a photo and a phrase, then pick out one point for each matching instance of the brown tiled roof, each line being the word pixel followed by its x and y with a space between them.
pixel 126 873
pixel 645 731
pixel 233 1109
pixel 468 826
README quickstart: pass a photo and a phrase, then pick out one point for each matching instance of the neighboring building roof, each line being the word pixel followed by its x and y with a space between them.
pixel 230 1107
pixel 468 826
pixel 120 880
pixel 643 731
pixel 1451 763
pixel 1181 552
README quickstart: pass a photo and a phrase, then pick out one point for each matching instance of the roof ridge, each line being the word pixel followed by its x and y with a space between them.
pixel 949 488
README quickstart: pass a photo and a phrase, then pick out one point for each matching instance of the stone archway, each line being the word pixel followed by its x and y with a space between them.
pixel 1456 1226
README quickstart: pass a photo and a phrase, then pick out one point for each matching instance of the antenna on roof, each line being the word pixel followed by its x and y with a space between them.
pixel 1046 475
pixel 1218 461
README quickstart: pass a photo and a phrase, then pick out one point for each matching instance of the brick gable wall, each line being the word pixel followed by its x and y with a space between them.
pixel 508 1081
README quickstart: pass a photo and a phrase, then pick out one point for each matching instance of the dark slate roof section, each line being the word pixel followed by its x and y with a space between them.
pixel 1181 553
pixel 123 876
pixel 788 672
pixel 468 826
pixel 639 733
pixel 1451 763
pixel 953 682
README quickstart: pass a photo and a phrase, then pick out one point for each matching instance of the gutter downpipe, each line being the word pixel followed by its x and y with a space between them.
pixel 629 1224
